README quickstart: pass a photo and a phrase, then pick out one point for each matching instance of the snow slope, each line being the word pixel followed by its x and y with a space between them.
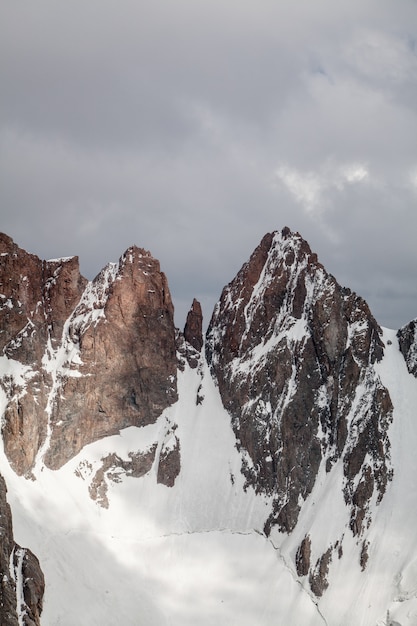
pixel 196 553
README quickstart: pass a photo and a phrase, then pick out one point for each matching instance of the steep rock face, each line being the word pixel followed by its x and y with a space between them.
pixel 99 356
pixel 22 582
pixel 121 367
pixel 293 354
pixel 36 297
pixel 407 339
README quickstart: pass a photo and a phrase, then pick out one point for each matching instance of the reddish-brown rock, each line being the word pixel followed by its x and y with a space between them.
pixel 36 297
pixel 89 358
pixel 123 335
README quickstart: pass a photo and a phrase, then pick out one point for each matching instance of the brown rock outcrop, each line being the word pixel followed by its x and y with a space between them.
pixel 124 339
pixel 293 354
pixel 169 463
pixel 193 329
pixel 89 358
pixel 303 556
pixel 112 468
pixel 318 577
pixel 22 582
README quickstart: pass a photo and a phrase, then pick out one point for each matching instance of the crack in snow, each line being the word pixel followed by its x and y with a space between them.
pixel 308 593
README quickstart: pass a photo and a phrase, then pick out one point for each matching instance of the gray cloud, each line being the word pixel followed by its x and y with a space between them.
pixel 193 128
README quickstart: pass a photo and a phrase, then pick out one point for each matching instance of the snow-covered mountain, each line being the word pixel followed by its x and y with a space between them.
pixel 262 475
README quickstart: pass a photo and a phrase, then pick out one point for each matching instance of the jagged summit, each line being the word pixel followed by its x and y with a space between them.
pixel 93 357
pixel 266 470
pixel 407 337
pixel 193 329
pixel 294 356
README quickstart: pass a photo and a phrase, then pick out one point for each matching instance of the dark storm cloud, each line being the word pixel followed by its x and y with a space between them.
pixel 192 128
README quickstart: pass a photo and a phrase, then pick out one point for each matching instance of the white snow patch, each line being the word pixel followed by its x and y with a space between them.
pixel 62 259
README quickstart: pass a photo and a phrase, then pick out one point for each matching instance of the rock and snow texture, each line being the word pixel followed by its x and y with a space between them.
pixel 155 555
pixel 407 337
pixel 22 581
pixel 264 478
pixel 81 360
pixel 294 355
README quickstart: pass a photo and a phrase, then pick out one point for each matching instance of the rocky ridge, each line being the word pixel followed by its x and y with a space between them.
pixel 407 339
pixel 294 356
pixel 81 360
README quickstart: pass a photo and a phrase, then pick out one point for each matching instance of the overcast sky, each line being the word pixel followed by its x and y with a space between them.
pixel 193 127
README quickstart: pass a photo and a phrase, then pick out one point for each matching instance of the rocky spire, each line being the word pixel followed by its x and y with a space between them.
pixel 193 329
pixel 91 357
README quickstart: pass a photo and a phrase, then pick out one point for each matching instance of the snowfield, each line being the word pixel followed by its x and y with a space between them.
pixel 196 553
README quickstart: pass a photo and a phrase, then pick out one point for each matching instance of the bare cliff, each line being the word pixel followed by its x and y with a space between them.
pixel 83 359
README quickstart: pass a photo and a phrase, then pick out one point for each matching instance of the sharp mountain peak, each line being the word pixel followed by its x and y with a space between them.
pixel 290 399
